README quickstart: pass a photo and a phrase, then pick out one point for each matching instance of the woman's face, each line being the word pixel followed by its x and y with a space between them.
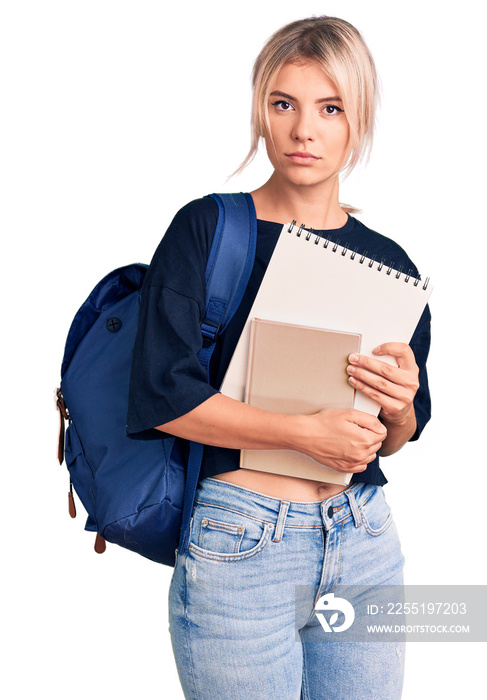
pixel 309 133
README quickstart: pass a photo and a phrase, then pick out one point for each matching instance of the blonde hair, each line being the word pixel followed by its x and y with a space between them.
pixel 339 49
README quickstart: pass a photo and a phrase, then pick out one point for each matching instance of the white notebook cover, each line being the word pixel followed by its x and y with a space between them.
pixel 312 282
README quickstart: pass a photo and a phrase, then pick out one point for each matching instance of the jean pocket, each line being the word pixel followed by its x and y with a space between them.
pixel 376 513
pixel 226 535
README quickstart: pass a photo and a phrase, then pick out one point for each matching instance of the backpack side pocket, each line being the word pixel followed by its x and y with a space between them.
pixel 81 474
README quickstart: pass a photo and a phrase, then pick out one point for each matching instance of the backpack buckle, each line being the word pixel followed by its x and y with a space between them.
pixel 61 404
pixel 210 329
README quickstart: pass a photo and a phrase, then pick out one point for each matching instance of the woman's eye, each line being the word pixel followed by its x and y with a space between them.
pixel 332 109
pixel 282 105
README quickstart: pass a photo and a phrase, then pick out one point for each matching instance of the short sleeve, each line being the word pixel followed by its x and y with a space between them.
pixel 167 379
pixel 420 345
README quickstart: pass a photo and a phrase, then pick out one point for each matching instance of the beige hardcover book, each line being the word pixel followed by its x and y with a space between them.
pixel 297 369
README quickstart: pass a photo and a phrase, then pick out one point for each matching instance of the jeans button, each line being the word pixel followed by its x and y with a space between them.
pixel 330 512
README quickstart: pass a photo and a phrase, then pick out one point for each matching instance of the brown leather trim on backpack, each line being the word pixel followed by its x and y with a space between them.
pixel 71 503
pixel 63 416
pixel 100 544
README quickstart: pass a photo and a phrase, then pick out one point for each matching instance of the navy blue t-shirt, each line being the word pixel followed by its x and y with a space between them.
pixel 167 380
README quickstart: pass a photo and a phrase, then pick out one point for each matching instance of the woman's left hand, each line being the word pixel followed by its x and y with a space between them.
pixel 393 388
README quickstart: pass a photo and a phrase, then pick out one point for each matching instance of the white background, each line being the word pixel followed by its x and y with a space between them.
pixel 114 115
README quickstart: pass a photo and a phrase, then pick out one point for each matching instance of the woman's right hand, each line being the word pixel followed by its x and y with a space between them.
pixel 345 440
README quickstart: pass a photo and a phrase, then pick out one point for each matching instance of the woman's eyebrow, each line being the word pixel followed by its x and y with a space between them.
pixel 330 99
pixel 278 93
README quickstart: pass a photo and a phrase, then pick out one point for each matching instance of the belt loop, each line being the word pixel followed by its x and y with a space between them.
pixel 281 519
pixel 354 508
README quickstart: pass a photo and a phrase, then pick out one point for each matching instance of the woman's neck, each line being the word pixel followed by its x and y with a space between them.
pixel 316 208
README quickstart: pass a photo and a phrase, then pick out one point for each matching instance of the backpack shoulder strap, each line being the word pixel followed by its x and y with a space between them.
pixel 228 271
pixel 229 265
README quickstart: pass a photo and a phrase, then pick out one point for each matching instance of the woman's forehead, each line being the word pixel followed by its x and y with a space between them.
pixel 304 77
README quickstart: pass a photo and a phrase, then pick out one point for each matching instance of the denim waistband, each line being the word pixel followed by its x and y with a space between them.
pixel 285 513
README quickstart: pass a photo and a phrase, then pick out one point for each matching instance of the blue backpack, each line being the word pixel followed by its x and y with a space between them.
pixel 139 494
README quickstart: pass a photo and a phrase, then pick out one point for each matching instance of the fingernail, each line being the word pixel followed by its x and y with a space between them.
pixel 353 358
pixel 351 369
pixel 352 381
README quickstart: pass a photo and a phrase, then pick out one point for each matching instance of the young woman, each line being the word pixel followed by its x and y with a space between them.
pixel 260 541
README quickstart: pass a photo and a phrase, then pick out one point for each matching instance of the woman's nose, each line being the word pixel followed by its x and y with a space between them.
pixel 303 128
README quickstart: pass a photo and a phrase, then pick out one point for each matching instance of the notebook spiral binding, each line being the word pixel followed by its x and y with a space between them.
pixel 309 233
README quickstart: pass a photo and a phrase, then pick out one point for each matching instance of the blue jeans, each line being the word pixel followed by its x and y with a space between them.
pixel 235 628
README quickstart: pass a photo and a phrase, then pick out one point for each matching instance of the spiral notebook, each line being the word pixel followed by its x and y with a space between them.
pixel 312 281
pixel 280 379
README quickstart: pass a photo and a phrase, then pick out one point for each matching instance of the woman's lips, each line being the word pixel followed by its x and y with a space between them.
pixel 302 157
